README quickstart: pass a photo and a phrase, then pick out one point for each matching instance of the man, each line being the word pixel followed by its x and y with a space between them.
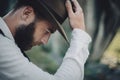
pixel 26 26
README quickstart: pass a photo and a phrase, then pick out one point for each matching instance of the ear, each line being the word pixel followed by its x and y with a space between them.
pixel 28 14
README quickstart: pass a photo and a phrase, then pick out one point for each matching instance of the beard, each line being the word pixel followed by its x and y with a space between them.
pixel 24 36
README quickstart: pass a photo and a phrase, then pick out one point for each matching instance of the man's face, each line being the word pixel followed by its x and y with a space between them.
pixel 36 33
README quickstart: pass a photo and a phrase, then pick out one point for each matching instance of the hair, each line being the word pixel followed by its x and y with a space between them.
pixel 40 12
pixel 35 4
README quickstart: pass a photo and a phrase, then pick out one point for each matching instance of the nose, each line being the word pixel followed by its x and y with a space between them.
pixel 45 39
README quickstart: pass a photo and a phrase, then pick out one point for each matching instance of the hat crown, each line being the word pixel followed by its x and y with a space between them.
pixel 57 8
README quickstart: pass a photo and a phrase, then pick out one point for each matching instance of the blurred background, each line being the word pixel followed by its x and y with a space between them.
pixel 102 19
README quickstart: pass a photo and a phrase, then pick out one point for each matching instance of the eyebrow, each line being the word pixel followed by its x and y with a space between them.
pixel 52 29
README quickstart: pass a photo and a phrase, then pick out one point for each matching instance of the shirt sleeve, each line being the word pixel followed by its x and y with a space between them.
pixel 78 50
pixel 14 66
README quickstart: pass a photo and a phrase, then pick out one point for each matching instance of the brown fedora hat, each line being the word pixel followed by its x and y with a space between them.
pixel 56 10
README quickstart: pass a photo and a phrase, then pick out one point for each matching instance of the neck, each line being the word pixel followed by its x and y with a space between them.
pixel 11 21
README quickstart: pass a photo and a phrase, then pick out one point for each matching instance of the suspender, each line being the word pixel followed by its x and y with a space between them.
pixel 21 50
pixel 1 32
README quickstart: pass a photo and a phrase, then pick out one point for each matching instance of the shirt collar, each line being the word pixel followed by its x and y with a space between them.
pixel 5 29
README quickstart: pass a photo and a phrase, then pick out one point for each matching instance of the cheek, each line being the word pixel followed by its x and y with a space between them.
pixel 38 34
pixel 40 31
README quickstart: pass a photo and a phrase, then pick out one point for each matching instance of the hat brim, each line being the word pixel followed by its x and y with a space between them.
pixel 59 26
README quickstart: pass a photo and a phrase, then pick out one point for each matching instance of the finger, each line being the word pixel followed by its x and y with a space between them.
pixel 69 7
pixel 77 5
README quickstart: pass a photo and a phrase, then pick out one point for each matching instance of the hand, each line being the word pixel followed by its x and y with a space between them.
pixel 76 17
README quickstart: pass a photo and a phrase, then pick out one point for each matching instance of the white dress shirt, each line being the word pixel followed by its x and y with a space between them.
pixel 14 66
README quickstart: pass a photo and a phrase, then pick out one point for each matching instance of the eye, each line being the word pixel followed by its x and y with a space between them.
pixel 47 31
